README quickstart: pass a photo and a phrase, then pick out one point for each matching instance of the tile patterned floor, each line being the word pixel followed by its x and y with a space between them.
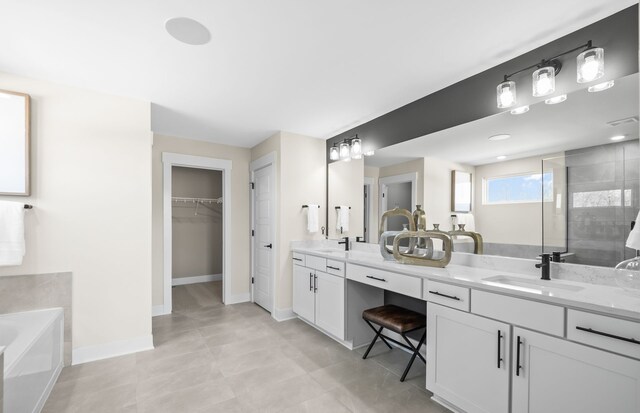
pixel 215 358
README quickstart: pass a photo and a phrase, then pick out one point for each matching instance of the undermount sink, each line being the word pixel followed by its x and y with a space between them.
pixel 533 285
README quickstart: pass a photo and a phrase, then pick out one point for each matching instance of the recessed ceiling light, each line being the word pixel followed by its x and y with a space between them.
pixel 499 137
pixel 501 157
pixel 187 31
pixel 520 110
pixel 617 138
pixel 601 86
pixel 556 99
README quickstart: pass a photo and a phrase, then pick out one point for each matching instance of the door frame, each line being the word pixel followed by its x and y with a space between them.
pixel 369 182
pixel 411 177
pixel 269 159
pixel 169 160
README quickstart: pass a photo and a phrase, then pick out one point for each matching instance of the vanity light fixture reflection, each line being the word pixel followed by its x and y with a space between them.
pixel 499 137
pixel 601 86
pixel 617 138
pixel 520 110
pixel 501 157
pixel 369 153
pixel 556 99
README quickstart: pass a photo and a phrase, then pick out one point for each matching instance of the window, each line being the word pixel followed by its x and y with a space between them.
pixel 516 189
pixel 601 199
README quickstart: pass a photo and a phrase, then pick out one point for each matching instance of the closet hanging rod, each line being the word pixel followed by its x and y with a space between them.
pixel 340 208
pixel 307 206
pixel 27 206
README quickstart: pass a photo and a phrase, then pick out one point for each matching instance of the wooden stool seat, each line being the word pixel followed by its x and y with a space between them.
pixel 400 321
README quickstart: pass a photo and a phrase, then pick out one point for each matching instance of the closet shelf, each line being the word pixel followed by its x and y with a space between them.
pixel 197 200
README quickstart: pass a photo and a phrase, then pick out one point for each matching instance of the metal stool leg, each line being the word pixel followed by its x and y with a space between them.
pixel 378 334
pixel 416 351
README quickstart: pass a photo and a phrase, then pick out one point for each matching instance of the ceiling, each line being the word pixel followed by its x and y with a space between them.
pixel 312 68
pixel 580 121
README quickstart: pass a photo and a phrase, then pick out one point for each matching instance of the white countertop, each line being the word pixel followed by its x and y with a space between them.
pixel 601 298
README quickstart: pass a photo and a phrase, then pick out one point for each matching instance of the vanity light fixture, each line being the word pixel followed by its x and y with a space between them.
pixel 520 110
pixel 500 137
pixel 617 138
pixel 345 152
pixel 601 86
pixel 556 99
pixel 334 155
pixel 356 148
pixel 590 66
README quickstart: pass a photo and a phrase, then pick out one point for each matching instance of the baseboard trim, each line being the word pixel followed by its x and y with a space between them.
pixel 157 310
pixel 114 349
pixel 283 314
pixel 238 298
pixel 196 279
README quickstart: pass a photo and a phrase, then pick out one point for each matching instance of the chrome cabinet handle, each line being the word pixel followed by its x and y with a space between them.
pixel 444 295
pixel 601 333
pixel 376 278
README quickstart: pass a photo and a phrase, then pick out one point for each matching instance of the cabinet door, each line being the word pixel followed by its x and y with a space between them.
pixel 468 360
pixel 560 376
pixel 303 294
pixel 330 304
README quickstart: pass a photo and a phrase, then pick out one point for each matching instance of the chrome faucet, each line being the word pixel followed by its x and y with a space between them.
pixel 545 265
pixel 345 241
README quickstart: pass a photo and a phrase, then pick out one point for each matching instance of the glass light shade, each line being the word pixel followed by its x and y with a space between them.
pixel 356 148
pixel 544 81
pixel 520 110
pixel 627 275
pixel 601 86
pixel 506 94
pixel 556 99
pixel 333 153
pixel 590 65
pixel 344 150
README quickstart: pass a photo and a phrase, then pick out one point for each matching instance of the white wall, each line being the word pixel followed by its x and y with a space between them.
pixel 240 234
pixel 91 191
pixel 301 175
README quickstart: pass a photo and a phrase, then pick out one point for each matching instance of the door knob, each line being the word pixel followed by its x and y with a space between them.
pixel 269 246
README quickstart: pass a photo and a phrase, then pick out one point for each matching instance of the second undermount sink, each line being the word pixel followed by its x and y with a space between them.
pixel 531 285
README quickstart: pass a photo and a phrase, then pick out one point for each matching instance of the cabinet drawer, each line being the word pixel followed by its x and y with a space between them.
pixel 298 259
pixel 524 313
pixel 400 283
pixel 608 333
pixel 446 294
pixel 316 263
pixel 335 268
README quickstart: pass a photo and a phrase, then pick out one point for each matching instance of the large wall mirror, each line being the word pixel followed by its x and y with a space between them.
pixel 14 143
pixel 559 177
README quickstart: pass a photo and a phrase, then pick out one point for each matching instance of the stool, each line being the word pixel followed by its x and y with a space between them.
pixel 400 321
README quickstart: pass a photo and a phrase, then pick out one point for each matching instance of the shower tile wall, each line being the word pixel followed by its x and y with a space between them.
pixel 36 292
pixel 603 183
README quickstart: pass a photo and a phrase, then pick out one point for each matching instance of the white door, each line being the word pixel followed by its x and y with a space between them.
pixel 330 304
pixel 263 243
pixel 468 360
pixel 560 376
pixel 303 292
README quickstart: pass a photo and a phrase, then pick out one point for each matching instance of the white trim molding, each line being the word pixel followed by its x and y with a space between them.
pixel 114 349
pixel 169 160
pixel 283 314
pixel 157 310
pixel 196 279
pixel 238 298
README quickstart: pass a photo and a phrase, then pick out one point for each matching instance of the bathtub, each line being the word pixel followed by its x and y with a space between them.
pixel 33 357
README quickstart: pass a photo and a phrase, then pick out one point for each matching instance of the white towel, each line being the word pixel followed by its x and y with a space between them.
pixel 468 221
pixel 12 246
pixel 312 218
pixel 343 218
pixel 634 236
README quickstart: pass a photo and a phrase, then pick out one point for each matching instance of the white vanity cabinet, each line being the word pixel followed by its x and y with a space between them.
pixel 468 360
pixel 556 375
pixel 319 297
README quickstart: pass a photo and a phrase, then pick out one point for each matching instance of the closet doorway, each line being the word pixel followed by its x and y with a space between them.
pixel 398 191
pixel 196 215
